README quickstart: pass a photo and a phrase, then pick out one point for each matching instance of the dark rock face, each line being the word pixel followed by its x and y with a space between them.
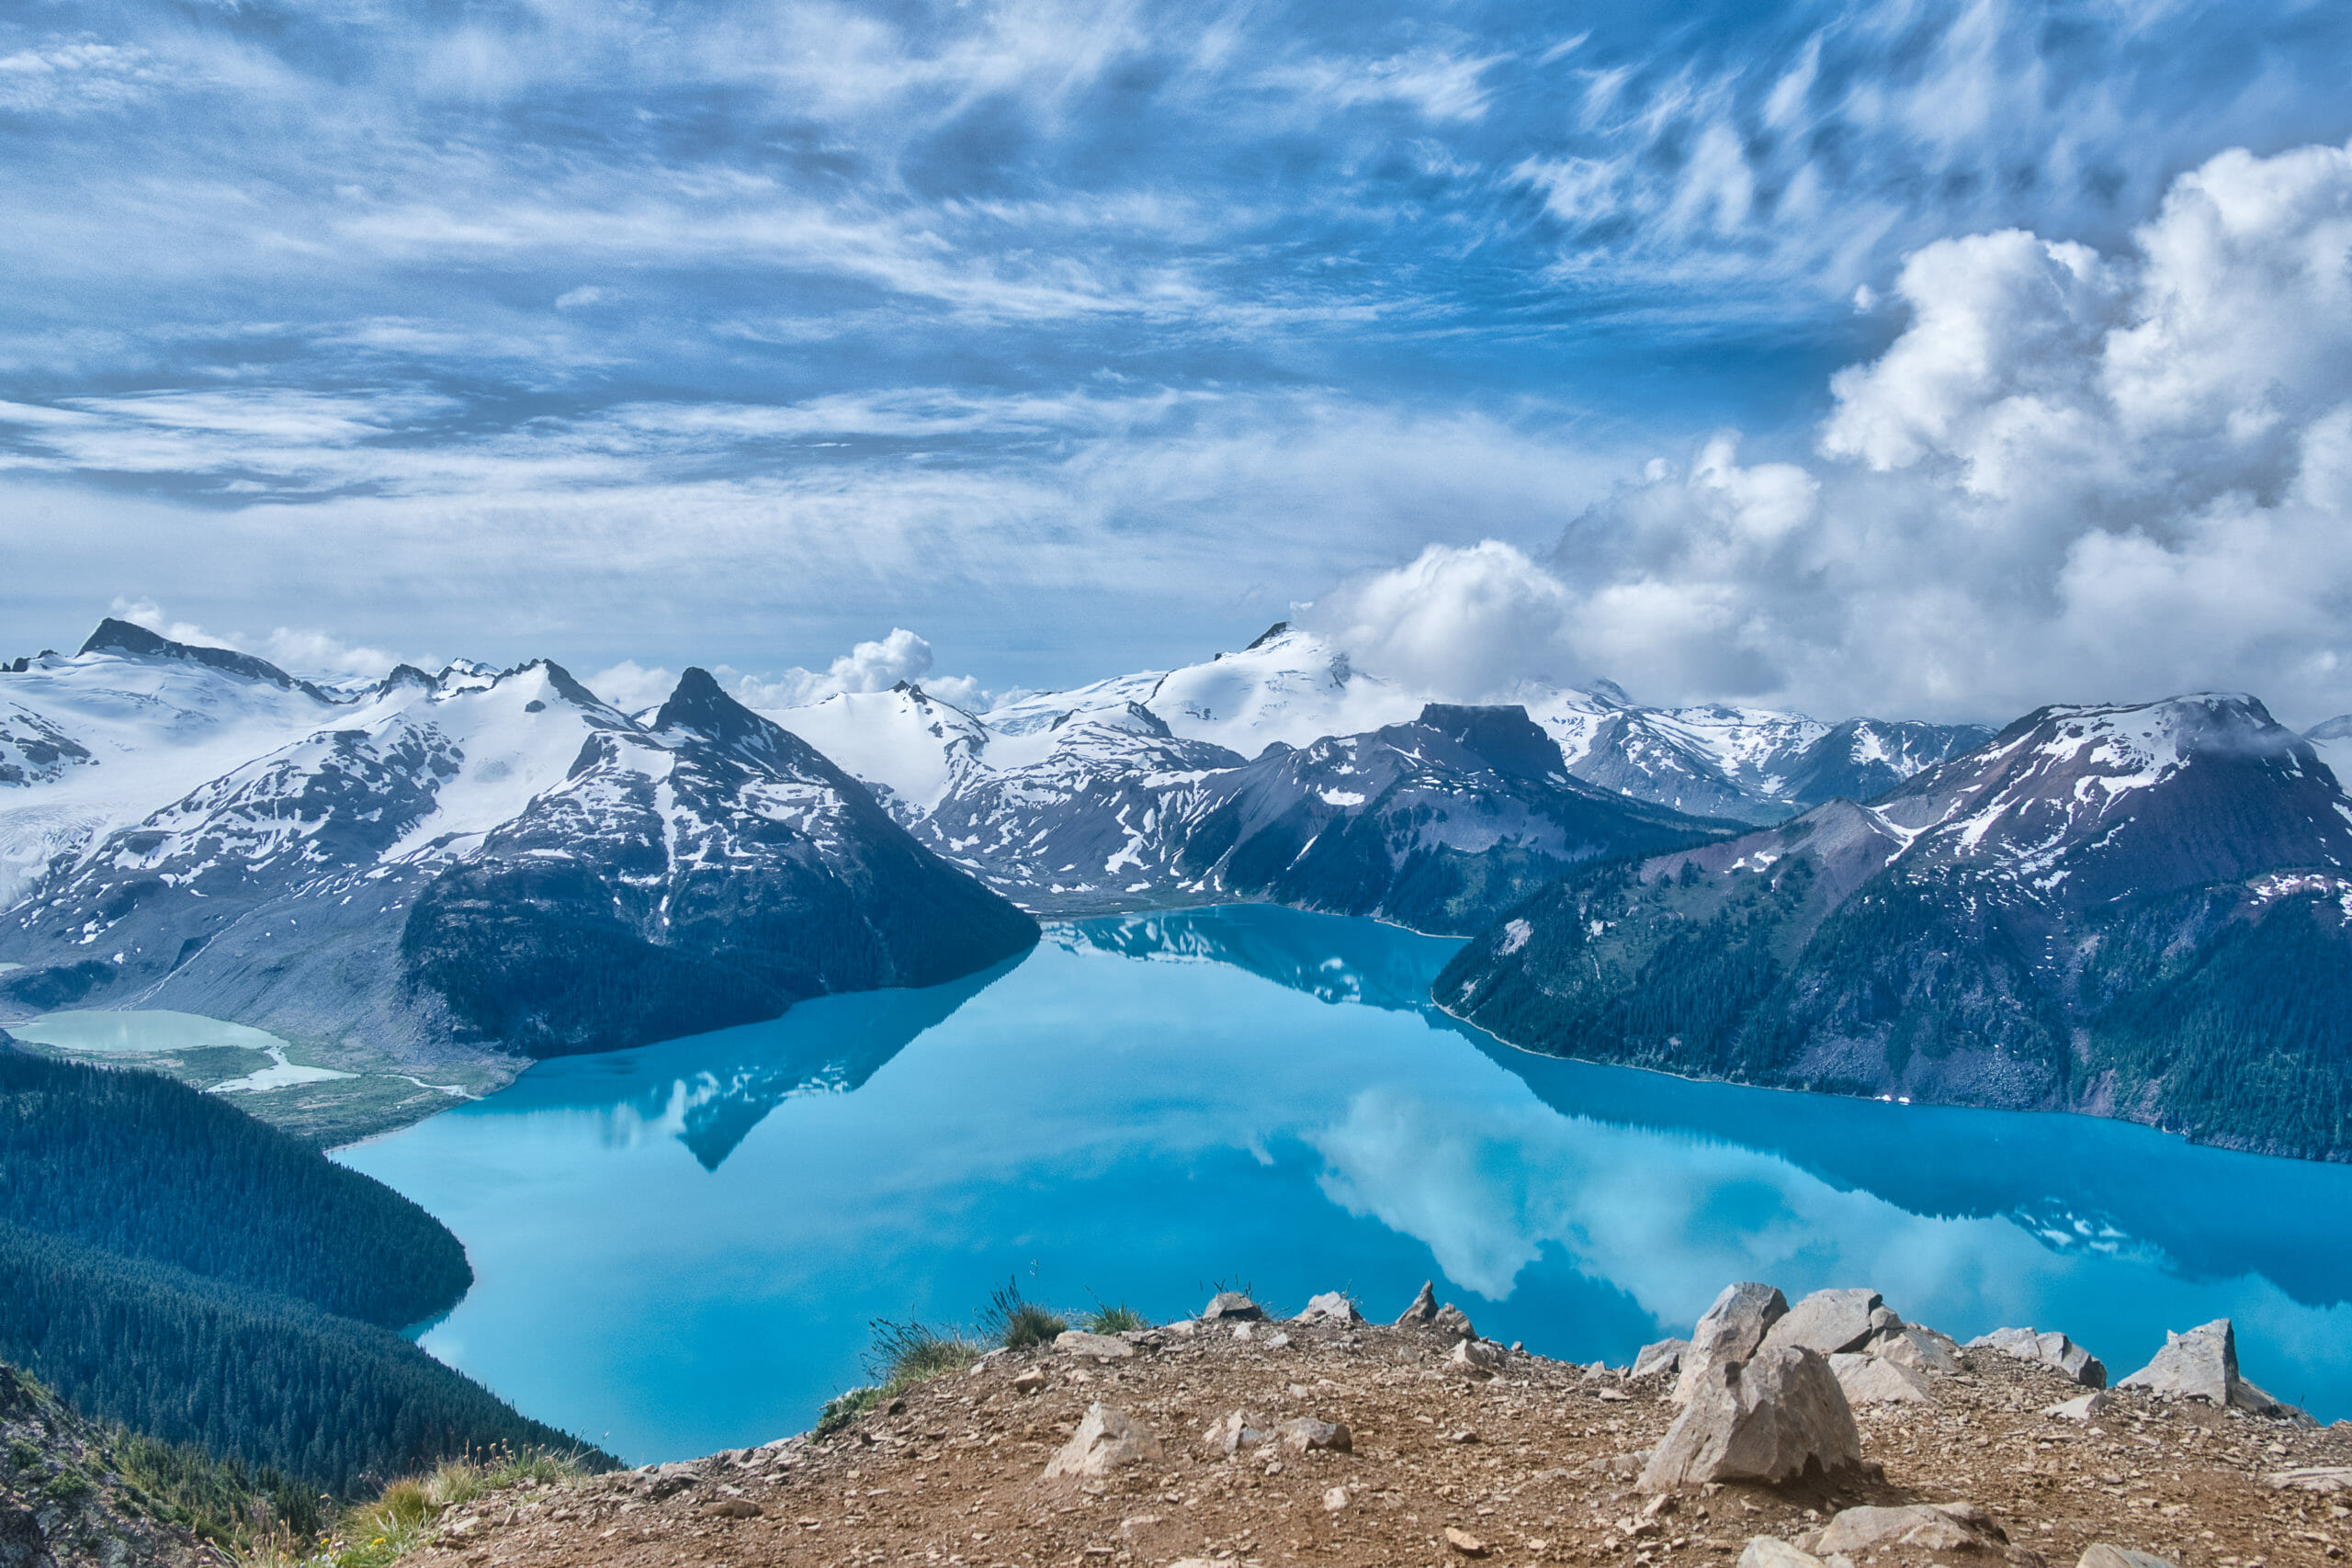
pixel 741 874
pixel 1437 824
pixel 122 637
pixel 2134 911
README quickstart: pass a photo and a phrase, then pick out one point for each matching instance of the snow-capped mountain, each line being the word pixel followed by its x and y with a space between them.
pixel 2136 910
pixel 1438 824
pixel 497 856
pixel 1082 800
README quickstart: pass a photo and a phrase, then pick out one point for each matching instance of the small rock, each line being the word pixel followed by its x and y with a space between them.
pixel 1449 1320
pixel 1925 1526
pixel 1277 1342
pixel 1335 1500
pixel 1666 1356
pixel 1107 1439
pixel 1243 1332
pixel 1232 1306
pixel 2101 1555
pixel 1767 1551
pixel 1304 1434
pixel 1767 1419
pixel 1479 1358
pixel 2203 1364
pixel 1465 1542
pixel 2053 1349
pixel 1330 1307
pixel 1873 1380
pixel 1829 1321
pixel 1731 1331
pixel 1029 1379
pixel 1237 1431
pixel 732 1508
pixel 1098 1346
pixel 2099 1402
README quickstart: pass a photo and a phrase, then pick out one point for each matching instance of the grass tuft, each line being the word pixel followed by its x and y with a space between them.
pixel 1119 1319
pixel 1016 1323
pixel 402 1515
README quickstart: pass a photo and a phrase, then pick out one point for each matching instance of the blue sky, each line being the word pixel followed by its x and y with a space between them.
pixel 1086 337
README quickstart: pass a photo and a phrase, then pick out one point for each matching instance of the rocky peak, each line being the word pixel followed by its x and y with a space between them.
pixel 1503 738
pixel 131 641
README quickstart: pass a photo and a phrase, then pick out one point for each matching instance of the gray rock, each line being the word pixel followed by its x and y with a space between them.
pixel 1772 1418
pixel 1448 1321
pixel 1238 1431
pixel 1423 1309
pixel 1873 1380
pixel 2328 1479
pixel 1479 1358
pixel 2101 1555
pixel 1921 1349
pixel 1096 1347
pixel 1769 1552
pixel 1830 1322
pixel 1666 1356
pixel 1107 1439
pixel 2082 1407
pixel 2203 1364
pixel 1232 1306
pixel 1330 1307
pixel 1925 1526
pixel 1304 1434
pixel 1731 1331
pixel 2053 1349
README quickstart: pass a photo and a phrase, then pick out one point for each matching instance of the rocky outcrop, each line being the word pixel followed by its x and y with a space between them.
pixel 2203 1364
pixel 1829 1321
pixel 1332 1306
pixel 1777 1415
pixel 1875 1380
pixel 2053 1349
pixel 1232 1306
pixel 62 1500
pixel 1449 1321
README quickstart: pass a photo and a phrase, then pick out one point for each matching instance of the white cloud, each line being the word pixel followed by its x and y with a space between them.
pixel 633 687
pixel 297 651
pixel 868 667
pixel 2072 477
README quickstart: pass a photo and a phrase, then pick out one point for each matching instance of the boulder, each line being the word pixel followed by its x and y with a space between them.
pixel 1463 1542
pixel 1874 1380
pixel 1107 1439
pixel 1921 1349
pixel 1424 1308
pixel 1829 1321
pixel 1238 1431
pixel 1731 1331
pixel 1304 1434
pixel 2100 1555
pixel 1769 1552
pixel 2053 1349
pixel 1096 1347
pixel 1772 1418
pixel 1330 1307
pixel 2082 1407
pixel 1232 1306
pixel 1924 1526
pixel 1666 1356
pixel 2328 1479
pixel 2203 1364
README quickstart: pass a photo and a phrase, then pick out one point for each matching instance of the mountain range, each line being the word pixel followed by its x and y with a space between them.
pixel 2143 911
pixel 498 861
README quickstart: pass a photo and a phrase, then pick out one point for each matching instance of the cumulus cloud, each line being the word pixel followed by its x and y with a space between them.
pixel 868 667
pixel 2071 476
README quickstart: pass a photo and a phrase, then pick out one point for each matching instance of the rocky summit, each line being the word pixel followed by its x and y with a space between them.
pixel 1323 1438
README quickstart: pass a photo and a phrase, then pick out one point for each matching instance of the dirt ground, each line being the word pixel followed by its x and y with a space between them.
pixel 1534 1465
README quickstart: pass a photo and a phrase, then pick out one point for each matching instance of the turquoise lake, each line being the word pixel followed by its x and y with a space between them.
pixel 679 1247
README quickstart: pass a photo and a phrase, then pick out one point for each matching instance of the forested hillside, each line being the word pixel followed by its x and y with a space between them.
pixel 268 1380
pixel 140 1164
pixel 172 1264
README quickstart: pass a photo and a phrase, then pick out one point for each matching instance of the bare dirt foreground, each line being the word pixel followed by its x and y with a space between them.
pixel 1535 1463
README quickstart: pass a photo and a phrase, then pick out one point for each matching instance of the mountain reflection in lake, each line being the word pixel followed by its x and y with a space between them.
pixel 680 1246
